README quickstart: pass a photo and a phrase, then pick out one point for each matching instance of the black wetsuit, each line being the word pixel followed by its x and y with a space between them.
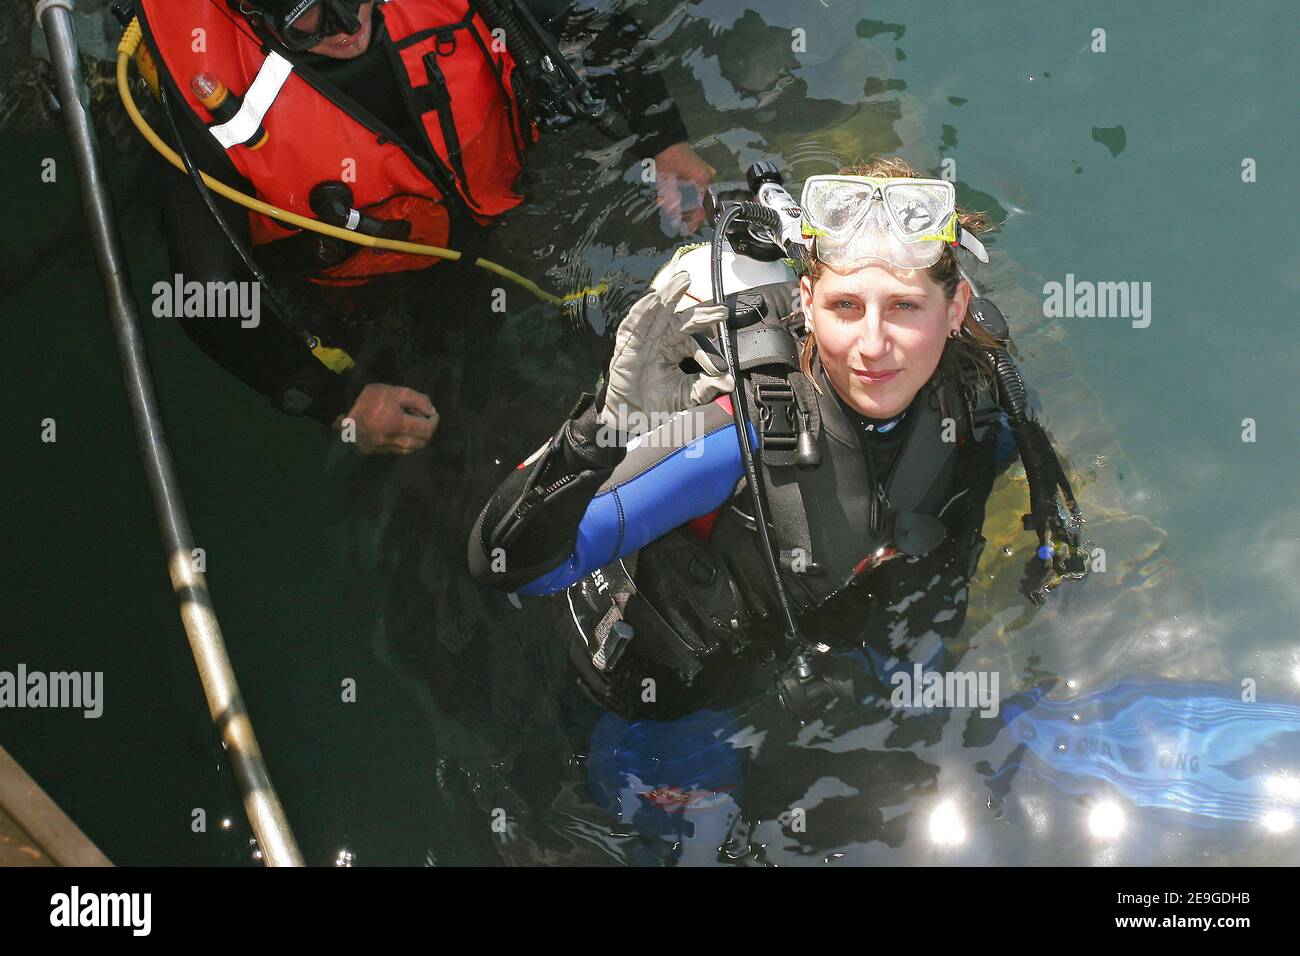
pixel 677 575
pixel 270 358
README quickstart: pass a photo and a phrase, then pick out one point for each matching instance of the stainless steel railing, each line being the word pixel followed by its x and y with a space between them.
pixel 200 620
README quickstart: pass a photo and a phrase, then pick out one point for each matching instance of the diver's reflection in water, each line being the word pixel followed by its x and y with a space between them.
pixel 700 789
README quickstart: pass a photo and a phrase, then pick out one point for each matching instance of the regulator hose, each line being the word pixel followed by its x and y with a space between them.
pixel 1060 553
pixel 521 46
pixel 336 360
pixel 759 215
pixel 740 416
pixel 560 87
pixel 1042 467
pixel 1012 383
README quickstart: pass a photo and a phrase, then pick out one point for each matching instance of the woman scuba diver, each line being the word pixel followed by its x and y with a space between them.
pixel 885 404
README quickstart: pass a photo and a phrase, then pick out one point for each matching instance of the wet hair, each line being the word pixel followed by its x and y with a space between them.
pixel 946 273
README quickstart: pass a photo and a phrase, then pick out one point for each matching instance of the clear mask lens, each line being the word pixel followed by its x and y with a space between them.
pixel 918 210
pixel 856 220
pixel 834 207
pixel 876 240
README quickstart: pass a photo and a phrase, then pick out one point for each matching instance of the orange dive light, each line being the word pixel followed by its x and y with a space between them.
pixel 223 104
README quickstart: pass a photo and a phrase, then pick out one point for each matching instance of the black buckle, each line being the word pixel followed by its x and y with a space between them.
pixel 434 95
pixel 777 412
pixel 702 573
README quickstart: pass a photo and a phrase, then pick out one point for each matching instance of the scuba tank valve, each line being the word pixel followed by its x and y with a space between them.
pixel 768 186
pixel 772 229
pixel 745 238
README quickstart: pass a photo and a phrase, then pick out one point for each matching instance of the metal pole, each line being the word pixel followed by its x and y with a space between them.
pixel 201 628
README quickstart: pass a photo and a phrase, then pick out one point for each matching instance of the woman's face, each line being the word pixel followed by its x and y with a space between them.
pixel 880 332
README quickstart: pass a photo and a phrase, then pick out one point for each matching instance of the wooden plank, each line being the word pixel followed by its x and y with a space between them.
pixel 16 847
pixel 33 830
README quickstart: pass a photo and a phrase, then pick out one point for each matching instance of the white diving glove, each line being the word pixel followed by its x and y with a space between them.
pixel 645 376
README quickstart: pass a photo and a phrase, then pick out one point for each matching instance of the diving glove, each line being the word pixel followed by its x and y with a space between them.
pixel 531 522
pixel 645 376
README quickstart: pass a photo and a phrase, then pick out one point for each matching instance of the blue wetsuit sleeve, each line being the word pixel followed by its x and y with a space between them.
pixel 660 486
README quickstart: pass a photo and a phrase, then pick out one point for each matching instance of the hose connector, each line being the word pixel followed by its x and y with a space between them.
pixel 130 41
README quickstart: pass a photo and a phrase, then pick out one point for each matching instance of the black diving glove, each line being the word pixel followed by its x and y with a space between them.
pixel 531 523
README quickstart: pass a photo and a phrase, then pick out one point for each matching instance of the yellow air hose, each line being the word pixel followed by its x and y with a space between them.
pixel 126 49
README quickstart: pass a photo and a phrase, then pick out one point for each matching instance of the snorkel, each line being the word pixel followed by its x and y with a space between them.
pixel 1054 513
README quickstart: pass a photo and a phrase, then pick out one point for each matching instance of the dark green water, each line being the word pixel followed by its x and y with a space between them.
pixel 1202 529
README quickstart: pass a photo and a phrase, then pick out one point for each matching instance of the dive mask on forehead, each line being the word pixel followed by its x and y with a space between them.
pixel 904 222
pixel 291 20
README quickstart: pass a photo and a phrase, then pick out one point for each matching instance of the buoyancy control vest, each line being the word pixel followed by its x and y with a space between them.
pixel 697 590
pixel 456 80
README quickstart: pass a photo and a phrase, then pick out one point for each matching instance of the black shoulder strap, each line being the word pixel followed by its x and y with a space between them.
pixel 773 397
pixel 783 397
pixel 764 344
pixel 785 404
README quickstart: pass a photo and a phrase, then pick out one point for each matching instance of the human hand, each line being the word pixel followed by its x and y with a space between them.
pixel 645 374
pixel 675 167
pixel 392 420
